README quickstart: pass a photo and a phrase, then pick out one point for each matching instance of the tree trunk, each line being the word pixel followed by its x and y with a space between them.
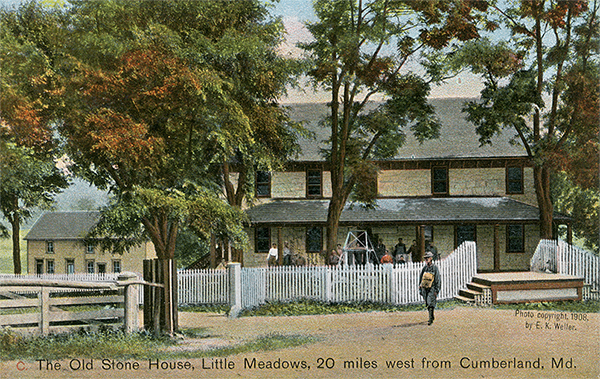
pixel 334 213
pixel 542 189
pixel 16 229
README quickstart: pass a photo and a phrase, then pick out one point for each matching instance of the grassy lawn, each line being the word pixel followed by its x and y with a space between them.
pixel 118 345
pixel 6 263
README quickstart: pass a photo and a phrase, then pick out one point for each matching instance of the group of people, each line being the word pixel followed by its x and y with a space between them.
pixel 289 258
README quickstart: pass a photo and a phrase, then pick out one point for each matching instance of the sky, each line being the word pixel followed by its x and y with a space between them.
pixel 295 13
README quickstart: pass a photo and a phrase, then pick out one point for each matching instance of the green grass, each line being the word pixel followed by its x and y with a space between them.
pixel 6 261
pixel 114 344
pixel 315 307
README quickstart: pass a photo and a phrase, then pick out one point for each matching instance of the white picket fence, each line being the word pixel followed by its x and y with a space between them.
pixel 563 258
pixel 384 283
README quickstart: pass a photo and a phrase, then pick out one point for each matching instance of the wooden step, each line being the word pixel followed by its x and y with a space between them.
pixel 477 287
pixel 464 299
pixel 469 293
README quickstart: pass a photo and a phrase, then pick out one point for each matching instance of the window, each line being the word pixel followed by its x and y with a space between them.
pixel 263 240
pixel 514 180
pixel 465 233
pixel 116 266
pixel 50 247
pixel 314 240
pixel 50 266
pixel 515 239
pixel 263 184
pixel 90 267
pixel 101 268
pixel 439 181
pixel 39 266
pixel 89 249
pixel 70 266
pixel 314 180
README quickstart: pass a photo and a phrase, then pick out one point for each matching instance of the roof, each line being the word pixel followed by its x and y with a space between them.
pixel 63 226
pixel 404 210
pixel 458 138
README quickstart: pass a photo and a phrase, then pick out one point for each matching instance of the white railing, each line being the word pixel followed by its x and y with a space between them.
pixel 563 258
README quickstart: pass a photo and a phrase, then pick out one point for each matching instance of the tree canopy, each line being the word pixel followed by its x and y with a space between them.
pixel 542 83
pixel 28 142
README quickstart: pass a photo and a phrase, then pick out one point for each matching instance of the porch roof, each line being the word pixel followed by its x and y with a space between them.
pixel 402 210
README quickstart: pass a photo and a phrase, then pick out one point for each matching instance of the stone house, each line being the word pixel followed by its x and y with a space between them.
pixel 56 245
pixel 446 190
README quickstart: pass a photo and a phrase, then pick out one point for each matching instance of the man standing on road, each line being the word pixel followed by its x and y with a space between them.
pixel 430 286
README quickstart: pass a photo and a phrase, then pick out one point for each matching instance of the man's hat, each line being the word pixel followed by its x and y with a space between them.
pixel 429 254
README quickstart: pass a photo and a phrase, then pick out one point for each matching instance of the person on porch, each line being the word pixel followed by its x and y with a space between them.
pixel 272 256
pixel 431 284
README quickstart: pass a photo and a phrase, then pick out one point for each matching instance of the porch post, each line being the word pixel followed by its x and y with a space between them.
pixel 421 242
pixel 279 247
pixel 569 234
pixel 496 247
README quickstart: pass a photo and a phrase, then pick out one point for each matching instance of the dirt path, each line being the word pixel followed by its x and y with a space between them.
pixel 462 343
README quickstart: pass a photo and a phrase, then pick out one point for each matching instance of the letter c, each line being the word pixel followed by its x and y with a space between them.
pixel 21 366
pixel 468 362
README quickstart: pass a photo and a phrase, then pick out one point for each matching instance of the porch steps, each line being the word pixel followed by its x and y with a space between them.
pixel 473 289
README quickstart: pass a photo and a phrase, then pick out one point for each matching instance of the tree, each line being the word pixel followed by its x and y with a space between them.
pixel 360 50
pixel 551 53
pixel 151 108
pixel 28 149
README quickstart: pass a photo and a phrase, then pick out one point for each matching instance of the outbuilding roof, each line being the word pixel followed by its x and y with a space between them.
pixel 458 138
pixel 63 226
pixel 402 210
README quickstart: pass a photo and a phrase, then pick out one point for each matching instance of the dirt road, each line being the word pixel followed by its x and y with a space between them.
pixel 463 342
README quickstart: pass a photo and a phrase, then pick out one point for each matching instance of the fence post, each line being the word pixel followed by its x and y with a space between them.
pixel 389 270
pixel 235 288
pixel 131 301
pixel 44 298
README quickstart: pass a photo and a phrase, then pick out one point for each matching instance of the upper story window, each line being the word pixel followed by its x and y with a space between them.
pixel 262 240
pixel 314 183
pixel 90 267
pixel 514 180
pixel 439 180
pixel 263 184
pixel 49 247
pixel 515 238
pixel 89 249
pixel 116 266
